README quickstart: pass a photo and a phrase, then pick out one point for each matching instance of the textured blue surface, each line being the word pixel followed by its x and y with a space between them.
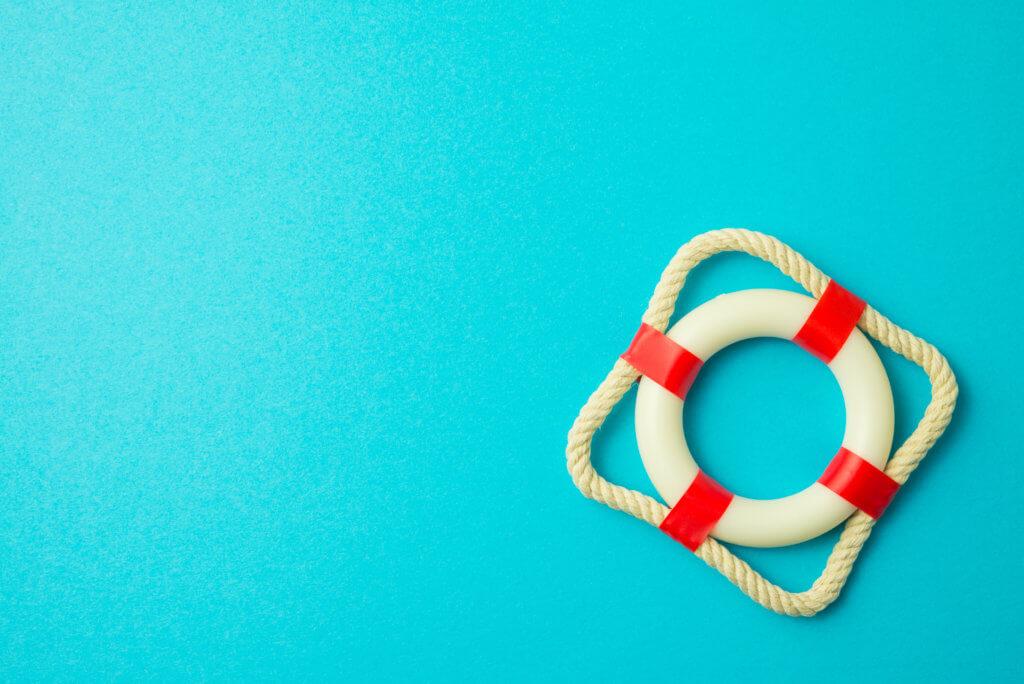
pixel 298 306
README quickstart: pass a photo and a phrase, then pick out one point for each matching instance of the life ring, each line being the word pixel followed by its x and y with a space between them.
pixel 830 331
pixel 866 393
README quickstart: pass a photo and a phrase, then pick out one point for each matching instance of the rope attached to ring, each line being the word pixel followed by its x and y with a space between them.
pixel 654 354
pixel 858 527
pixel 833 319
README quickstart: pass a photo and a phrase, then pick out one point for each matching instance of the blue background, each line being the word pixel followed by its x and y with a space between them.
pixel 299 304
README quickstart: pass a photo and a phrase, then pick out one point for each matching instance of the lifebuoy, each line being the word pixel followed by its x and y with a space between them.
pixel 669 364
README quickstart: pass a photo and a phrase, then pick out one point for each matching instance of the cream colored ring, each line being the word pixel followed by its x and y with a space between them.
pixel 866 392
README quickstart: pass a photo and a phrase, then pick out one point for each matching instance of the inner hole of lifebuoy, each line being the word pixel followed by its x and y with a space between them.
pixel 764 418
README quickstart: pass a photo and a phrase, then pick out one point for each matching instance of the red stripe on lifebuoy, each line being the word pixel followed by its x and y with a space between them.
pixel 697 512
pixel 859 482
pixel 833 319
pixel 662 360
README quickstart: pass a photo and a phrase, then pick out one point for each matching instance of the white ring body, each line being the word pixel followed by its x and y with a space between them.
pixel 866 392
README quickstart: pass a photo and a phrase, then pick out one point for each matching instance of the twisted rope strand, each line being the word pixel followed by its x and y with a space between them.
pixel 825 589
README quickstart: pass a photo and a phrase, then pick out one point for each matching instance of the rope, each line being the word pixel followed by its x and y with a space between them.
pixel 826 588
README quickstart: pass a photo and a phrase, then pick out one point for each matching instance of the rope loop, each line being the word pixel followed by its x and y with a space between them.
pixel 826 588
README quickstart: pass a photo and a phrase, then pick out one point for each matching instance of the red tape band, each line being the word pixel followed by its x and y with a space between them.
pixel 699 509
pixel 859 482
pixel 662 360
pixel 833 319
